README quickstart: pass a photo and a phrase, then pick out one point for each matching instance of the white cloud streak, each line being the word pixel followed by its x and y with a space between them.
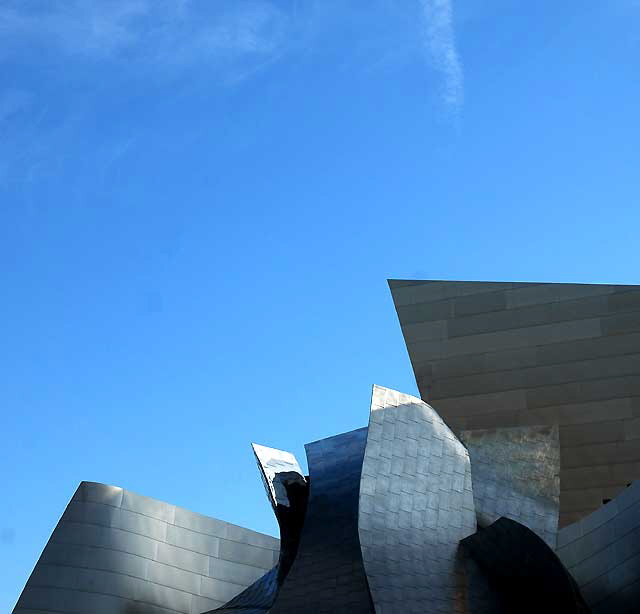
pixel 167 32
pixel 440 44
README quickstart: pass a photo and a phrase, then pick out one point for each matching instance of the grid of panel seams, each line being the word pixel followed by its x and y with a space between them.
pixel 117 551
pixel 490 355
pixel 602 553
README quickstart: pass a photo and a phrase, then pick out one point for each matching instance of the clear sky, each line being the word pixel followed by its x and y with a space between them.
pixel 201 203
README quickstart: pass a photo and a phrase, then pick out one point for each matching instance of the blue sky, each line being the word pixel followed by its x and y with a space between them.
pixel 201 203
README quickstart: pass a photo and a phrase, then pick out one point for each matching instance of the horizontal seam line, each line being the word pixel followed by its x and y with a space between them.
pixel 450 379
pixel 146 558
pixel 518 347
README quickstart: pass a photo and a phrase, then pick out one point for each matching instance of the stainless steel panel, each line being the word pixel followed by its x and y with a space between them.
pixel 416 504
pixel 109 555
pixel 532 354
pixel 516 474
pixel 602 552
pixel 327 576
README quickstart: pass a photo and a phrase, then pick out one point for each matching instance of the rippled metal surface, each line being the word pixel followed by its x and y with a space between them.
pixel 328 576
pixel 516 474
pixel 416 504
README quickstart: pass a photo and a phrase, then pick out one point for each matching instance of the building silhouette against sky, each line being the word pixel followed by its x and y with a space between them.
pixel 510 485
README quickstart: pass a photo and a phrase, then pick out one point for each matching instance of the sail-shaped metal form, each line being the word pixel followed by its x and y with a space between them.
pixel 416 504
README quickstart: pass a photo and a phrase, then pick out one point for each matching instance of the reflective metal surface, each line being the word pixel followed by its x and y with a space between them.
pixel 277 468
pixel 490 355
pixel 255 599
pixel 416 504
pixel 522 569
pixel 602 552
pixel 328 576
pixel 288 491
pixel 115 552
pixel 385 523
pixel 516 474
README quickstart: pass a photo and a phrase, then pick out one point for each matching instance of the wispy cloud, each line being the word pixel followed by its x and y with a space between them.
pixel 440 43
pixel 87 28
pixel 104 47
pixel 66 61
pixel 144 31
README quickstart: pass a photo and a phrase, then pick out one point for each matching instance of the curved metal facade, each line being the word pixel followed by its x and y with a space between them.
pixel 327 576
pixel 416 504
pixel 602 552
pixel 116 552
pixel 255 599
pixel 377 527
pixel 274 464
pixel 516 474
pixel 287 491
pixel 523 570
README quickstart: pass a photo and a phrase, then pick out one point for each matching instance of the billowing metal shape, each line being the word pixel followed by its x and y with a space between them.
pixel 385 523
pixel 522 569
pixel 516 474
pixel 328 576
pixel 277 467
pixel 287 491
pixel 416 504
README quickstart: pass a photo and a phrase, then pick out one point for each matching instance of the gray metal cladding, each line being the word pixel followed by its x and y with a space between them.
pixel 490 355
pixel 523 570
pixel 416 504
pixel 287 491
pixel 327 576
pixel 255 599
pixel 602 552
pixel 115 552
pixel 516 474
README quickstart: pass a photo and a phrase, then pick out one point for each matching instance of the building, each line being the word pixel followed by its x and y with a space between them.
pixel 489 355
pixel 515 491
pixel 114 551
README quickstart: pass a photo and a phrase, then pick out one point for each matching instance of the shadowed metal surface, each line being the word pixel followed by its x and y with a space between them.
pixel 255 599
pixel 516 474
pixel 523 570
pixel 327 576
pixel 287 491
pixel 602 552
pixel 116 552
pixel 416 504
pixel 491 355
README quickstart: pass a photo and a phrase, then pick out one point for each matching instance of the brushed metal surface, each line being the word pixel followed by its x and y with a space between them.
pixel 115 552
pixel 416 504
pixel 516 475
pixel 328 576
pixel 489 355
pixel 602 552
